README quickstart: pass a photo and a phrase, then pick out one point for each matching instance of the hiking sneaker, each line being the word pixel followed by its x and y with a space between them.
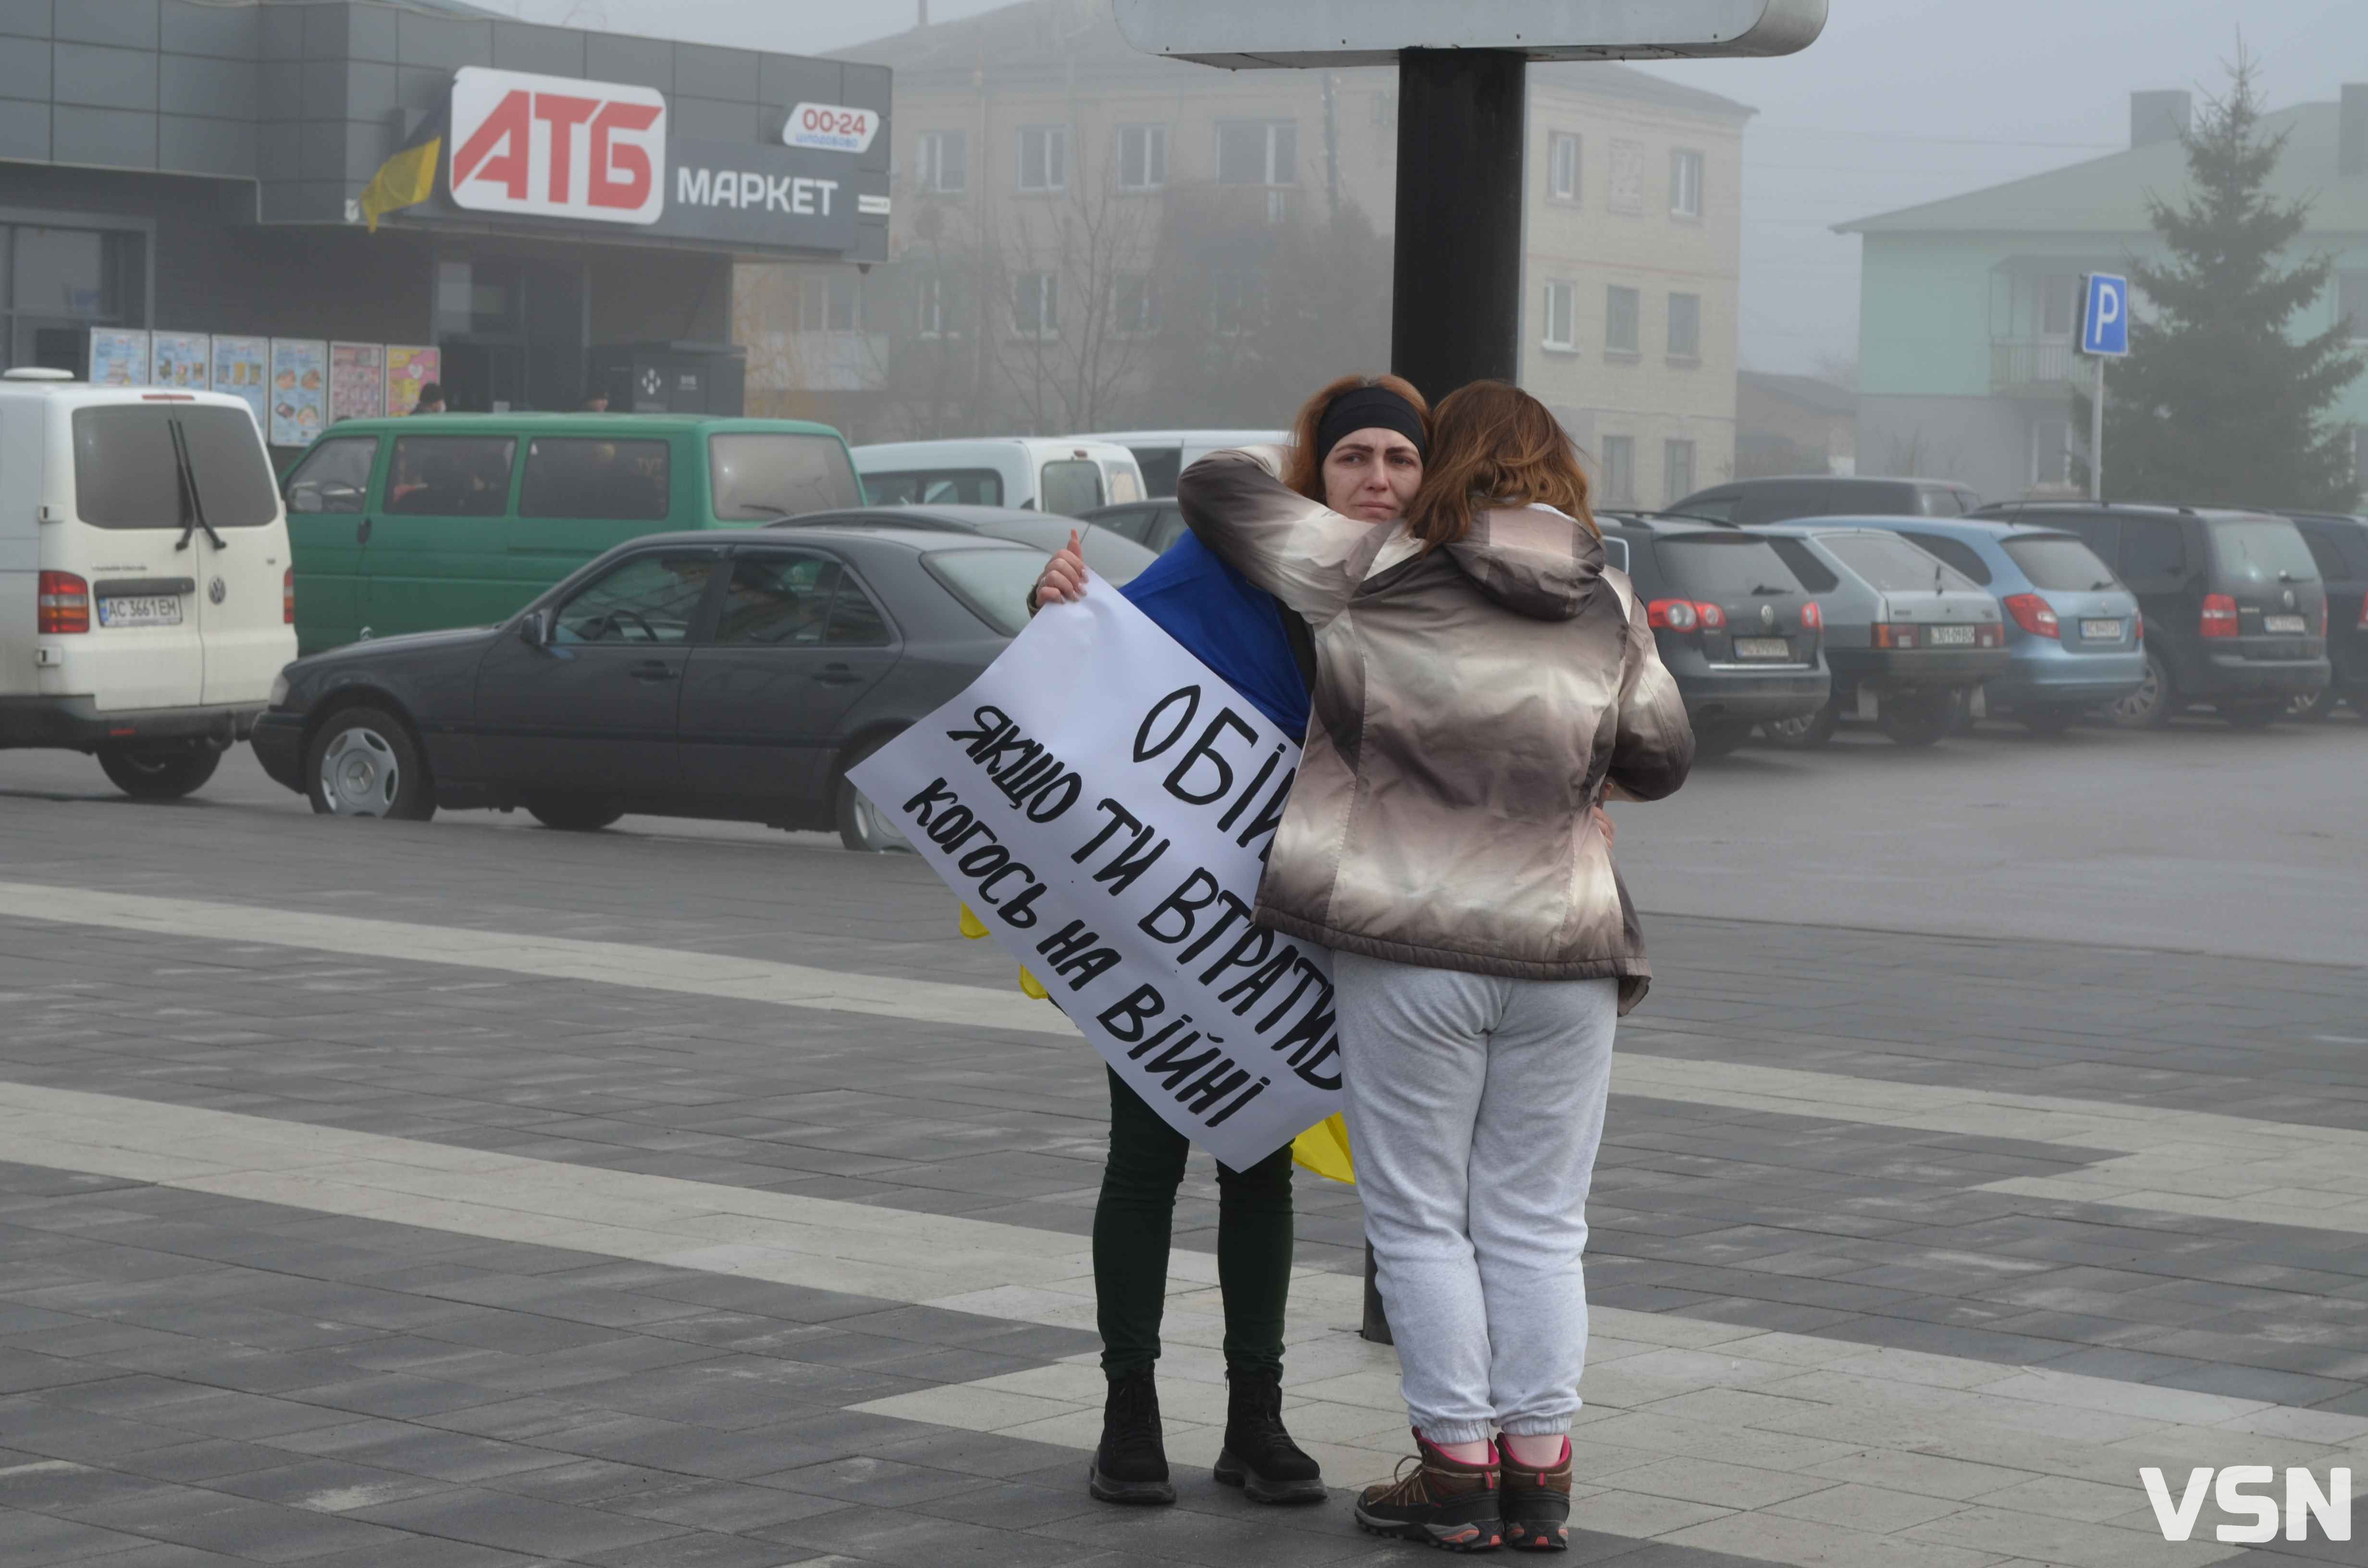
pixel 1258 1456
pixel 1131 1465
pixel 1441 1502
pixel 1536 1504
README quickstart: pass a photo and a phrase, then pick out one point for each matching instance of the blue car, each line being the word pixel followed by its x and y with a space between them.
pixel 2073 630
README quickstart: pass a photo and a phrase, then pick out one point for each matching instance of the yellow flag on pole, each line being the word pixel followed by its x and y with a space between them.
pixel 407 179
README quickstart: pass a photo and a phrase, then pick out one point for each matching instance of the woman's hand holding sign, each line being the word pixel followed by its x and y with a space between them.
pixel 1063 580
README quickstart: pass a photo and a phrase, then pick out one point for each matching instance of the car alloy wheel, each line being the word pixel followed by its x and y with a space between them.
pixel 863 826
pixel 360 775
pixel 1806 731
pixel 366 764
pixel 876 831
pixel 2152 704
pixel 2312 708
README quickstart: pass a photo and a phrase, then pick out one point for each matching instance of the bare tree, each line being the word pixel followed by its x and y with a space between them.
pixel 1084 303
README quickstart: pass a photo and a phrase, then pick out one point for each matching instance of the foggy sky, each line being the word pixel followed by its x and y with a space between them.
pixel 1900 101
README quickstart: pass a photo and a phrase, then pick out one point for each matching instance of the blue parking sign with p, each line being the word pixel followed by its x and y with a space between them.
pixel 2106 318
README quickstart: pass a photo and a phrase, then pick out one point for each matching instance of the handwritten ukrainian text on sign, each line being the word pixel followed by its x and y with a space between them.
pixel 1104 802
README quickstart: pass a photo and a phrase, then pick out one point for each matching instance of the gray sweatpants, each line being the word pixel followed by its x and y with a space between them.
pixel 1475 1106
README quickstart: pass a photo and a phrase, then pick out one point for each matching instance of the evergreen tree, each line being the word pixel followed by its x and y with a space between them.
pixel 2216 402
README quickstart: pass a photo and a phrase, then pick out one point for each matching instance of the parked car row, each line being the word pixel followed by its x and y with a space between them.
pixel 2136 613
pixel 585 615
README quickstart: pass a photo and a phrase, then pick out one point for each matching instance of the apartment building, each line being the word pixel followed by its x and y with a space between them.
pixel 1084 236
pixel 1968 306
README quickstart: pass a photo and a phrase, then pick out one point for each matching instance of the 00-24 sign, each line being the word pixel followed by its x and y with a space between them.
pixel 835 128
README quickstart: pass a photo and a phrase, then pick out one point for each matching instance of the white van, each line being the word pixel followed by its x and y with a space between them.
pixel 1164 454
pixel 1064 477
pixel 146 596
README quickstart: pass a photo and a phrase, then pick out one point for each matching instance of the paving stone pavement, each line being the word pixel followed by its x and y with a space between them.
pixel 1813 1307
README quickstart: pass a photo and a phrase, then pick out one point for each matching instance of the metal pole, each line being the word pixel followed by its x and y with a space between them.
pixel 2097 436
pixel 1455 312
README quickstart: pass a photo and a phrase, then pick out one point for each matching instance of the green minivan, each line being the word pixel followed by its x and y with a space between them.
pixel 458 520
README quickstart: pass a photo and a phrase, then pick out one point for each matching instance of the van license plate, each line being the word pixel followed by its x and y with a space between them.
pixel 162 609
pixel 1952 637
pixel 1762 647
pixel 2101 631
pixel 2285 625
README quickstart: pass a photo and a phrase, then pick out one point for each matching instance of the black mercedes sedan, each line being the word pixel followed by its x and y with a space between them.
pixel 734 676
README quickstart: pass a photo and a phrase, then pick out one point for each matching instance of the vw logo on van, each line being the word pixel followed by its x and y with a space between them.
pixel 2289 598
pixel 216 591
pixel 1766 615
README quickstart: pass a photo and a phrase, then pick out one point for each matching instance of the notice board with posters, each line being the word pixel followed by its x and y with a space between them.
pixel 182 360
pixel 357 380
pixel 299 390
pixel 241 366
pixel 118 356
pixel 410 367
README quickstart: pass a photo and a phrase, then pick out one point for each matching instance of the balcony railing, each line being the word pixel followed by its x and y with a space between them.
pixel 2029 363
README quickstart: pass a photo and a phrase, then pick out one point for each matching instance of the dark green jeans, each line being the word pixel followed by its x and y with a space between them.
pixel 1130 1228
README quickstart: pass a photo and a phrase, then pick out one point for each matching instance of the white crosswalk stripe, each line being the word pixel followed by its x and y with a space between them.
pixel 2169 1160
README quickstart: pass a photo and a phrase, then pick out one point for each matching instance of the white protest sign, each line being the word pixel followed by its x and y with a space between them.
pixel 1103 801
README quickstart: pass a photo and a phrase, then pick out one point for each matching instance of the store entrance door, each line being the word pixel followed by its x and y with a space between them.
pixel 482 378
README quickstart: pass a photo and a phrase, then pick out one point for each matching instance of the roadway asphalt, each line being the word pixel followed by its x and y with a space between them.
pixel 2199 838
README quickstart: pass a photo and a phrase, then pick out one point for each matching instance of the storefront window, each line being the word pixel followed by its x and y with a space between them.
pixel 56 283
pixel 61 272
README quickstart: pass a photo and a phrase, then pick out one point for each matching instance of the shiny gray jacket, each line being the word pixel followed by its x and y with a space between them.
pixel 1471 703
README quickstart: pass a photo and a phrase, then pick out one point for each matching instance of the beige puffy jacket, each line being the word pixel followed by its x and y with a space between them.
pixel 1471 703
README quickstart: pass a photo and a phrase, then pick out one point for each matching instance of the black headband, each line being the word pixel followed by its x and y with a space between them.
pixel 1367 408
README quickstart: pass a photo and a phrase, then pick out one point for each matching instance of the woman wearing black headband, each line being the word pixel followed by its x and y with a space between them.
pixel 1357 448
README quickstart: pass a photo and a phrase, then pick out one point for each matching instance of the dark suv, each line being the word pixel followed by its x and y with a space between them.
pixel 2340 544
pixel 1741 637
pixel 2234 611
pixel 1780 500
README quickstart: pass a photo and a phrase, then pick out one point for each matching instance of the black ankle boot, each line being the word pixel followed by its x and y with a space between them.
pixel 1260 1456
pixel 1130 1466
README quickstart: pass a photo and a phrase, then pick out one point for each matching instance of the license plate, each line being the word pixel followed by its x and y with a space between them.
pixel 2289 625
pixel 160 609
pixel 1952 637
pixel 1762 647
pixel 2101 631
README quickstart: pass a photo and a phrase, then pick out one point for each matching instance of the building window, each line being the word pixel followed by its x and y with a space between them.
pixel 1237 296
pixel 939 312
pixel 941 162
pixel 1685 184
pixel 2059 304
pixel 1562 166
pixel 1620 310
pixel 2352 302
pixel 1134 310
pixel 56 284
pixel 1620 469
pixel 1142 157
pixel 2051 451
pixel 1676 472
pixel 2359 458
pixel 1258 152
pixel 1685 328
pixel 1560 301
pixel 1036 305
pixel 1626 190
pixel 1044 157
pixel 829 301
